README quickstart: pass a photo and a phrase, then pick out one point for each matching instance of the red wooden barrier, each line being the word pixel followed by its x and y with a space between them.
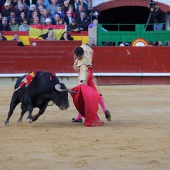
pixel 8 43
pixel 106 59
pixel 118 59
pixel 146 62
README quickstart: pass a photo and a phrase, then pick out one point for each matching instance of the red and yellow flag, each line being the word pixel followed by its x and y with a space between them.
pixel 27 80
pixel 41 31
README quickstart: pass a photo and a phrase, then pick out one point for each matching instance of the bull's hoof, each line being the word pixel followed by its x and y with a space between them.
pixel 29 119
pixel 34 118
pixel 6 123
pixel 19 121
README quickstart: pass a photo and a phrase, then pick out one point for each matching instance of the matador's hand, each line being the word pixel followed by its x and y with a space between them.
pixel 83 82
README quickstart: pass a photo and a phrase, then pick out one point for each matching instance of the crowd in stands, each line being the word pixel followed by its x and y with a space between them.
pixel 124 44
pixel 18 15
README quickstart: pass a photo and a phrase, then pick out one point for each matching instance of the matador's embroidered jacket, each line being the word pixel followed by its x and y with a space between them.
pixel 82 66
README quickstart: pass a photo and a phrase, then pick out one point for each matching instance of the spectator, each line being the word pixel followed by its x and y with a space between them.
pixel 83 22
pixel 7 10
pixel 36 21
pixel 84 4
pixel 76 4
pixel 167 43
pixel 155 43
pixel 150 43
pixel 159 43
pixel 22 18
pixel 157 16
pixel 79 11
pixel 46 3
pixel 35 15
pixel 40 10
pixel 2 37
pixel 61 22
pixel 30 12
pixel 11 7
pixel 60 2
pixel 24 26
pixel 71 2
pixel 44 16
pixel 59 11
pixel 91 42
pixel 68 18
pixel 51 35
pixel 13 25
pixel 4 26
pixel 123 44
pixel 20 10
pixel 92 14
pixel 2 2
pixel 25 6
pixel 52 7
pixel 15 38
pixel 12 15
pixel 95 24
pixel 58 20
pixel 73 26
pixel 65 6
pixel 13 3
pixel 48 22
pixel 40 2
pixel 70 9
pixel 66 36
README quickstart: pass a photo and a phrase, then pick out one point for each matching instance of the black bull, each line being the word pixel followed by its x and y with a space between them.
pixel 44 88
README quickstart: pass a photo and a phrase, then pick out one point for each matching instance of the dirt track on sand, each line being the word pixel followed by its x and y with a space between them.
pixel 137 138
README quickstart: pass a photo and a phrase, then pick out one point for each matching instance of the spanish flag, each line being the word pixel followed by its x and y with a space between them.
pixel 41 31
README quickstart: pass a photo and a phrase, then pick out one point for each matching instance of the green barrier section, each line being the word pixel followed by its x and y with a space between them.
pixel 119 34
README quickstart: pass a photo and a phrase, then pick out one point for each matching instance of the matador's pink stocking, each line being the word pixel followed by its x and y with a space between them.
pixel 79 116
pixel 102 104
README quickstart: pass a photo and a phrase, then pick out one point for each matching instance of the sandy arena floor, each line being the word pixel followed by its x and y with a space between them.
pixel 137 138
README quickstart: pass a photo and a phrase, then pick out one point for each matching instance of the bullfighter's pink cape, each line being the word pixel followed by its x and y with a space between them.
pixel 86 101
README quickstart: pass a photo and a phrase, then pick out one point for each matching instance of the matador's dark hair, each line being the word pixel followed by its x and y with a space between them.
pixel 79 51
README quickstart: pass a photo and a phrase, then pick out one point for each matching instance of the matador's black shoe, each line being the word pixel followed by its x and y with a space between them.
pixel 78 120
pixel 107 115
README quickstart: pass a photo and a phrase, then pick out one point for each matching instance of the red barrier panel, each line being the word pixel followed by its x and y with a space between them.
pixel 156 59
pixel 106 59
pixel 117 59
pixel 25 59
pixel 8 43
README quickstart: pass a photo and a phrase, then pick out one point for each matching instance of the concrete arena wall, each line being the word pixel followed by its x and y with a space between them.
pixel 111 65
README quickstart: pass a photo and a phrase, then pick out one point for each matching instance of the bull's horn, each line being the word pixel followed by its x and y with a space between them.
pixel 71 91
pixel 58 88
